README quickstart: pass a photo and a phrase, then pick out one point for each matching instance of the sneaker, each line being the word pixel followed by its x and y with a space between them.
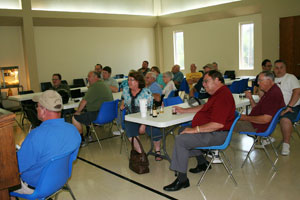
pixel 264 142
pixel 84 143
pixel 118 132
pixel 285 151
pixel 217 159
pixel 90 138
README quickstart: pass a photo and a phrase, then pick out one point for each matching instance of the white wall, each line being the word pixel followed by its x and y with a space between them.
pixel 11 51
pixel 73 52
pixel 217 40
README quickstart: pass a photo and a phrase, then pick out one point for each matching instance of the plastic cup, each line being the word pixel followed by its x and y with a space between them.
pixel 143 107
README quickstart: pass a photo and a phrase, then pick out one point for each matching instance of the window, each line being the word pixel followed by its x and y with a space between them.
pixel 246 46
pixel 178 49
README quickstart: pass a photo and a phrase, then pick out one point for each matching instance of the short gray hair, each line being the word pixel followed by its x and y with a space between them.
pixel 152 74
pixel 169 74
pixel 268 74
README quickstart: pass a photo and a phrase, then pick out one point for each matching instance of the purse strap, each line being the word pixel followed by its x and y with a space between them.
pixel 137 139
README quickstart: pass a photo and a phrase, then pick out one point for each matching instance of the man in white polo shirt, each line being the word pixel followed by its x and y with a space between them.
pixel 290 88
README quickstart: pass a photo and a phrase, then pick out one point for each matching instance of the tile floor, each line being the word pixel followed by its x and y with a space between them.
pixel 104 174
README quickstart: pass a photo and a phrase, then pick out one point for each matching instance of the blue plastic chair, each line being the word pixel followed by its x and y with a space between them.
pixel 172 94
pixel 266 135
pixel 121 123
pixel 243 85
pixel 184 86
pixel 296 123
pixel 172 101
pixel 234 87
pixel 53 177
pixel 220 149
pixel 108 112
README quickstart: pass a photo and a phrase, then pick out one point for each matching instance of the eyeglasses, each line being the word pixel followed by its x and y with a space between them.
pixel 131 79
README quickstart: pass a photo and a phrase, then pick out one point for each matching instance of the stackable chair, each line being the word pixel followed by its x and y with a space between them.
pixel 170 101
pixel 184 86
pixel 54 177
pixel 107 114
pixel 79 82
pixel 122 114
pixel 243 85
pixel 265 135
pixel 220 149
pixel 234 87
pixel 45 86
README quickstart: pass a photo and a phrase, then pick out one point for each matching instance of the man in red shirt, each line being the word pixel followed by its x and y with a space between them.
pixel 262 113
pixel 209 127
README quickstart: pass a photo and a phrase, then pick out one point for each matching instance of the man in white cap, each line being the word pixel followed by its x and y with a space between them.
pixel 52 138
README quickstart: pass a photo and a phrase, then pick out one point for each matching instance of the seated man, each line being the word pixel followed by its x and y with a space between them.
pixel 215 66
pixel 52 138
pixel 199 86
pixel 262 112
pixel 266 65
pixel 144 69
pixel 210 126
pixel 290 89
pixel 154 87
pixel 98 68
pixel 194 76
pixel 110 82
pixel 97 93
pixel 58 86
pixel 178 76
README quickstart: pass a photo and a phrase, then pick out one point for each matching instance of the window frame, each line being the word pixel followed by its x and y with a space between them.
pixel 175 53
pixel 241 63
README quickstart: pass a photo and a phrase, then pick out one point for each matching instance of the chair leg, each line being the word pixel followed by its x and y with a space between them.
pixel 70 191
pixel 248 154
pixel 275 151
pixel 202 177
pixel 92 129
pixel 123 139
pixel 226 167
pixel 295 128
pixel 227 160
pixel 268 155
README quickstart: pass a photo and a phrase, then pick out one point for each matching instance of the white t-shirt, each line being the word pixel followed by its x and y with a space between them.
pixel 168 88
pixel 287 83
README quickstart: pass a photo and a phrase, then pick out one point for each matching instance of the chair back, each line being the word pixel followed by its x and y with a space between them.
pixel 229 136
pixel 243 85
pixel 184 86
pixel 107 113
pixel 234 87
pixel 53 177
pixel 171 94
pixel 172 101
pixel 78 82
pixel 45 86
pixel 272 125
pixel 230 74
pixel 26 92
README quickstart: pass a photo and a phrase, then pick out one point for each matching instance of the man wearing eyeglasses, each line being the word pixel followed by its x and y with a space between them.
pixel 290 87
pixel 57 85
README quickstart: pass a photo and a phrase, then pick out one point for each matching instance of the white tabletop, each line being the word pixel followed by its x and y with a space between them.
pixel 120 80
pixel 166 119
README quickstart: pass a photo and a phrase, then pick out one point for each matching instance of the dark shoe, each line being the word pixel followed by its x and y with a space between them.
pixel 158 156
pixel 84 143
pixel 176 185
pixel 199 168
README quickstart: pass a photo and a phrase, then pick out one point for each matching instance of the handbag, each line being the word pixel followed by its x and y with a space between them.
pixel 138 162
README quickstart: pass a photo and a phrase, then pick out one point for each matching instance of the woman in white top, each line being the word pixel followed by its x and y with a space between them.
pixel 170 86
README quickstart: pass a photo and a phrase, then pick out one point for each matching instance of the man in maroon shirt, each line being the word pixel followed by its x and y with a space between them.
pixel 209 127
pixel 262 112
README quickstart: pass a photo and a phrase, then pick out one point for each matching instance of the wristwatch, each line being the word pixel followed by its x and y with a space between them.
pixel 290 106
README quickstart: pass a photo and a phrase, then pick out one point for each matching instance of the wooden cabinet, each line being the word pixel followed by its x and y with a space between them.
pixel 9 174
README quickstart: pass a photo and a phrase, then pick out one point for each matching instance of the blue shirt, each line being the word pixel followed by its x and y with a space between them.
pixel 155 88
pixel 52 138
pixel 132 104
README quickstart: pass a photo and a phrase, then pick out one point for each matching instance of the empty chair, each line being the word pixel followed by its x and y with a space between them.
pixel 266 135
pixel 243 85
pixel 119 76
pixel 31 114
pixel 78 82
pixel 172 101
pixel 184 86
pixel 53 177
pixel 24 103
pixel 234 87
pixel 121 124
pixel 107 114
pixel 45 86
pixel 220 149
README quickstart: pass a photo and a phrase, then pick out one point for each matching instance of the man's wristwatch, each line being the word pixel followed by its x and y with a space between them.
pixel 290 106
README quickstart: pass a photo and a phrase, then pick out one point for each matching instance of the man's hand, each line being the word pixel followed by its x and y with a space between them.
pixel 288 109
pixel 178 109
pixel 189 131
pixel 248 94
pixel 77 113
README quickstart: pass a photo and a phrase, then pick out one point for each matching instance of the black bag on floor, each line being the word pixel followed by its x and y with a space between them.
pixel 138 162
